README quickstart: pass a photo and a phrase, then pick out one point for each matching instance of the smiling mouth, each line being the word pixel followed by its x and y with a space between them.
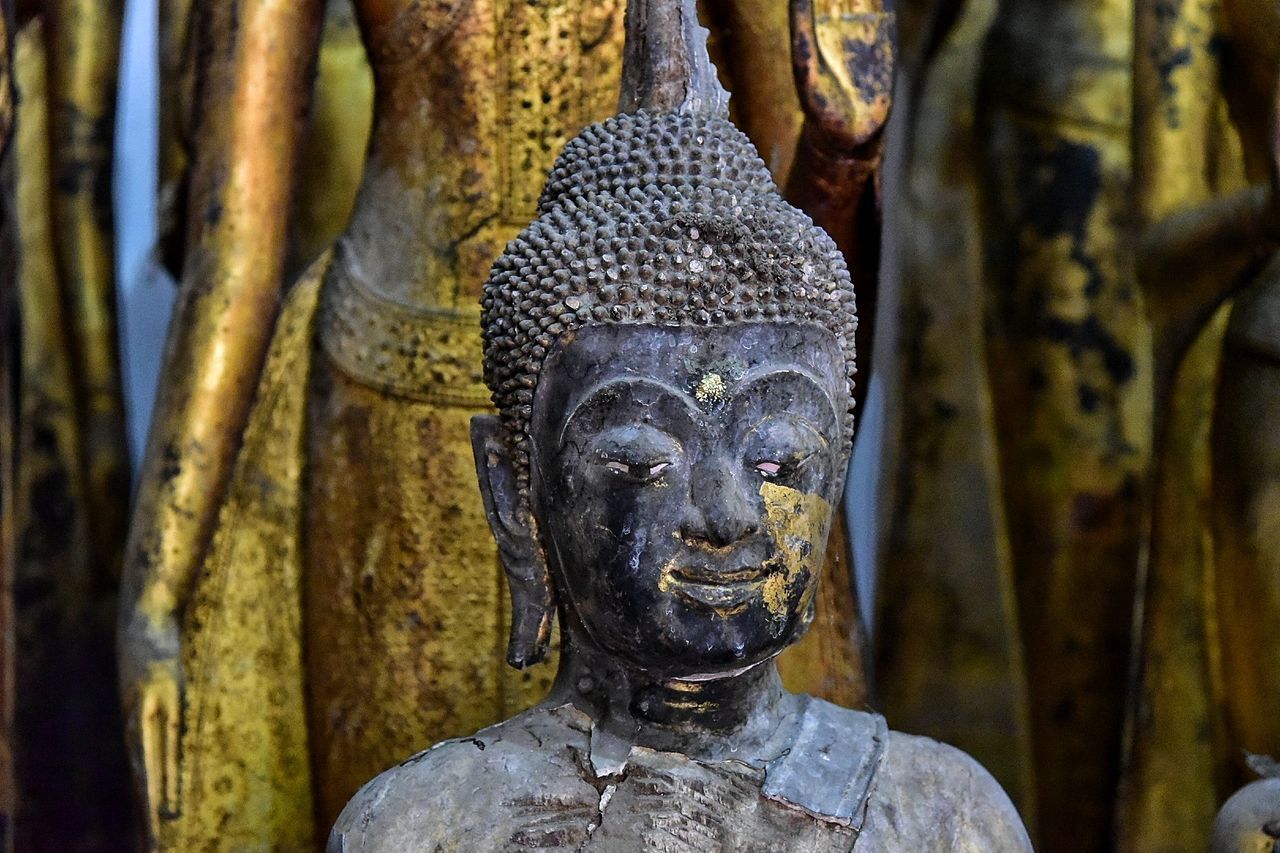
pixel 725 592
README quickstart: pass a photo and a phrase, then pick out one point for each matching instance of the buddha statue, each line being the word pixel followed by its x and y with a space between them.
pixel 669 345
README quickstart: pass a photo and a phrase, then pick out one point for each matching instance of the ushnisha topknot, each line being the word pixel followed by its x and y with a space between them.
pixel 666 218
pixel 662 215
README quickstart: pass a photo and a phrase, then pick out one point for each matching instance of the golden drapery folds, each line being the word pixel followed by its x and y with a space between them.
pixel 1023 381
pixel 65 469
pixel 342 527
pixel 1112 221
pixel 1206 690
pixel 948 648
pixel 83 44
pixel 1070 381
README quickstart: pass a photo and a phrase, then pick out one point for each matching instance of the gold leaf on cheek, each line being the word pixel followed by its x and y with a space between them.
pixel 798 523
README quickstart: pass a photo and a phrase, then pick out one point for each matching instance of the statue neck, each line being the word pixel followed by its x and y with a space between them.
pixel 738 715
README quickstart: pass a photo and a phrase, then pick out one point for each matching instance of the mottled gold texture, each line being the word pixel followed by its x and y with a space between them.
pixel 333 145
pixel 1070 378
pixel 1204 237
pixel 1167 795
pixel 392 508
pixel 1244 464
pixel 249 115
pixel 842 54
pixel 1246 524
pixel 948 653
pixel 406 555
pixel 828 661
pixel 246 778
pixel 83 41
pixel 69 769
pixel 797 523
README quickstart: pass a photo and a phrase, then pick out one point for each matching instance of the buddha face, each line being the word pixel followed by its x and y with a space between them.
pixel 684 481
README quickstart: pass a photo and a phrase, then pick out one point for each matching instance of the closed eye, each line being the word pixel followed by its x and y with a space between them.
pixel 783 466
pixel 640 472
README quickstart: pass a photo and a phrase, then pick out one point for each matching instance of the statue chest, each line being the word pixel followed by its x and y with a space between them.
pixel 670 803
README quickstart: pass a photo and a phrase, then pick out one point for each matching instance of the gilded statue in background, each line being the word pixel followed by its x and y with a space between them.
pixel 1069 373
pixel 1065 237
pixel 65 471
pixel 8 420
pixel 1206 690
pixel 308 492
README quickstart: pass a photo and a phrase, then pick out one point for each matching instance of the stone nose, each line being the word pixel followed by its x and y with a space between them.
pixel 723 511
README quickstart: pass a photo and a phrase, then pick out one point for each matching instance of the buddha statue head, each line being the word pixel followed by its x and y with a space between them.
pixel 670 349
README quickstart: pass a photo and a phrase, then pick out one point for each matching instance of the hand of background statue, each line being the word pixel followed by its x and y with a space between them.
pixel 843 58
pixel 152 685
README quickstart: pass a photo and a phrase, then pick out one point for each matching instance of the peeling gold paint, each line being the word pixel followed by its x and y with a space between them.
pixel 798 523
pixel 827 661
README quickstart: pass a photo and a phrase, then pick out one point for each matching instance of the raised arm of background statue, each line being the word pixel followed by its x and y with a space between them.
pixel 253 90
pixel 1192 261
pixel 842 55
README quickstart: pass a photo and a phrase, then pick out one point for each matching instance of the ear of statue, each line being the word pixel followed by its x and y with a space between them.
pixel 532 600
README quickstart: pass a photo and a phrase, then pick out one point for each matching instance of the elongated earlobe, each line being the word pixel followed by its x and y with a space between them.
pixel 525 564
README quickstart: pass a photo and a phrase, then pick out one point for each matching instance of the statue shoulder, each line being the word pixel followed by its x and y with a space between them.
pixel 933 796
pixel 468 789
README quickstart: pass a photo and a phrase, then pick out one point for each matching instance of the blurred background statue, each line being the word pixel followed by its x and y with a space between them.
pixel 1072 207
pixel 64 489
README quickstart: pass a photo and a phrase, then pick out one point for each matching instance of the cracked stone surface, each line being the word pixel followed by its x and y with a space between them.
pixel 527 784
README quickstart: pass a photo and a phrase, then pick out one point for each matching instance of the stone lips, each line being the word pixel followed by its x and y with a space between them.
pixel 655 218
